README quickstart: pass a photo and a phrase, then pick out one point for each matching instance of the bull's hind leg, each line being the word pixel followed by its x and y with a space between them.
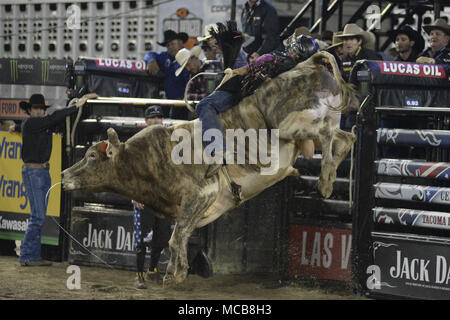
pixel 333 153
pixel 341 145
pixel 328 167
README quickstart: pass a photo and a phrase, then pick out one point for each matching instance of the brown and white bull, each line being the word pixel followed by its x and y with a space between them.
pixel 303 103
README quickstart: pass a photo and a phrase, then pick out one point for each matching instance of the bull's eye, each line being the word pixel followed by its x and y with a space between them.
pixel 92 155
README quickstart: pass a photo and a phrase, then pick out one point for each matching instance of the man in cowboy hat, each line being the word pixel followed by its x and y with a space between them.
pixel 408 43
pixel 188 59
pixel 354 41
pixel 212 49
pixel 164 63
pixel 439 51
pixel 336 47
pixel 35 153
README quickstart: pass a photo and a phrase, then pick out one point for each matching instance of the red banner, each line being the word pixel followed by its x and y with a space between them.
pixel 412 69
pixel 133 65
pixel 322 253
pixel 9 109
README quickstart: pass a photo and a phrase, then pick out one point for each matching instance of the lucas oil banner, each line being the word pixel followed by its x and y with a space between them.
pixel 15 205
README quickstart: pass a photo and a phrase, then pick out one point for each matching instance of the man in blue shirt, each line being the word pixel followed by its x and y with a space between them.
pixel 165 63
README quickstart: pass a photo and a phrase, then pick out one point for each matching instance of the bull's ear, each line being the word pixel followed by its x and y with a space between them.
pixel 102 146
pixel 113 143
pixel 113 138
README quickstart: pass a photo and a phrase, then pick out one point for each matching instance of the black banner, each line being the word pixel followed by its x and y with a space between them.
pixel 106 238
pixel 43 72
pixel 416 267
pixel 13 227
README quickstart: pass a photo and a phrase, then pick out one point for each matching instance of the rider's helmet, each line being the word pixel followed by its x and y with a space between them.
pixel 301 47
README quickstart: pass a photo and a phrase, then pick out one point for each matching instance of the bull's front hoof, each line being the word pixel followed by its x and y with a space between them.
pixel 169 281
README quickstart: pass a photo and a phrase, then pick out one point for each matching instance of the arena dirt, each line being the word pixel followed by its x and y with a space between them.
pixel 17 282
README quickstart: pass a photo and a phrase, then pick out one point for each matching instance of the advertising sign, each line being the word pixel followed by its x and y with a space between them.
pixel 412 218
pixel 408 73
pixel 322 253
pixel 48 72
pixel 105 236
pixel 418 268
pixel 9 109
pixel 412 168
pixel 15 205
pixel 408 192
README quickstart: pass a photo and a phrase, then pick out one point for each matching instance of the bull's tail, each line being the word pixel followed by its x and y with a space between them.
pixel 347 88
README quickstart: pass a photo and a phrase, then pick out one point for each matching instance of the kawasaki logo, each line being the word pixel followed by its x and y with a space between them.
pixel 45 70
pixel 14 71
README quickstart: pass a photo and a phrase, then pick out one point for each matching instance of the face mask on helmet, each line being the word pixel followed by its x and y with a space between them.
pixel 301 47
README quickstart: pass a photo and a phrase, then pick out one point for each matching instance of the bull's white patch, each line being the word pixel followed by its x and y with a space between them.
pixel 232 149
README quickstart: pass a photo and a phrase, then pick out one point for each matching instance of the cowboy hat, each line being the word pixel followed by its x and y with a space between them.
pixel 336 40
pixel 183 57
pixel 208 34
pixel 353 30
pixel 170 35
pixel 413 35
pixel 36 100
pixel 438 24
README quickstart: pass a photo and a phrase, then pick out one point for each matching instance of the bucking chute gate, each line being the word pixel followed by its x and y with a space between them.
pixel 401 219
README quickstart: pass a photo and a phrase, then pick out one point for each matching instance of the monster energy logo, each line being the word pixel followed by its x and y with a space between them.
pixel 14 70
pixel 45 70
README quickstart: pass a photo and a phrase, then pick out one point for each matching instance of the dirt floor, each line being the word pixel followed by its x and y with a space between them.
pixel 17 282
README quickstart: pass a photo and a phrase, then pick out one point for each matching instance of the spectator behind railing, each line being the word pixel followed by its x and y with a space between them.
pixel 212 50
pixel 408 43
pixel 188 59
pixel 336 47
pixel 260 22
pixel 165 63
pixel 439 51
pixel 354 41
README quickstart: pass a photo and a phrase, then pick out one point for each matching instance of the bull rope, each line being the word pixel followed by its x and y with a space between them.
pixel 67 233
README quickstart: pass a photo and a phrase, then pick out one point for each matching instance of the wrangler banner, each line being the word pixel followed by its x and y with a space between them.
pixel 45 72
pixel 15 205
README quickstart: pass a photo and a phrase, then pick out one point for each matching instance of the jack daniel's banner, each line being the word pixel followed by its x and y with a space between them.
pixel 407 267
pixel 42 72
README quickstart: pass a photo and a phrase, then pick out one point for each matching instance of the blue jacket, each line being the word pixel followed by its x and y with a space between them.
pixel 173 86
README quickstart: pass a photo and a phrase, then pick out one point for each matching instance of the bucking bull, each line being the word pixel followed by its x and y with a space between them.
pixel 303 103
